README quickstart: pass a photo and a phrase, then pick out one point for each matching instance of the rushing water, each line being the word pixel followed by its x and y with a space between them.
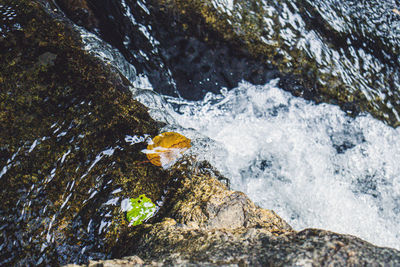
pixel 341 52
pixel 313 164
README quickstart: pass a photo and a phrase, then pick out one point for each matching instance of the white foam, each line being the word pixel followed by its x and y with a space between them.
pixel 310 163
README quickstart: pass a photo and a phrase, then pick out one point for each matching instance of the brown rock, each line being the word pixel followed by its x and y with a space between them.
pixel 208 225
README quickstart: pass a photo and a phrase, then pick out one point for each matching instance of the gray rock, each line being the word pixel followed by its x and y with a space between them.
pixel 209 225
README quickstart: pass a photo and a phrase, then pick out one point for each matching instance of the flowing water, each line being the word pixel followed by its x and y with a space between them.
pixel 311 163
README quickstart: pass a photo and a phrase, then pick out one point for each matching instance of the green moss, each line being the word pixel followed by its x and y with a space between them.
pixel 64 118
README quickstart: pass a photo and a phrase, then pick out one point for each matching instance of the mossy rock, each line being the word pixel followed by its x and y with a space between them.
pixel 206 224
pixel 65 163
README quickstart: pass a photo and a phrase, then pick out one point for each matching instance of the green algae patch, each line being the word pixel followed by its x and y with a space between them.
pixel 65 163
pixel 141 210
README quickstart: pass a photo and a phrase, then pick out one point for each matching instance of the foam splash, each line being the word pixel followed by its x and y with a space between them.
pixel 312 164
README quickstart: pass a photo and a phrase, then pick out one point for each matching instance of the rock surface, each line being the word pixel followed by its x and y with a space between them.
pixel 66 165
pixel 65 160
pixel 210 225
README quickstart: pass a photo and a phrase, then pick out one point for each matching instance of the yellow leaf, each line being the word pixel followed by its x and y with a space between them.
pixel 166 148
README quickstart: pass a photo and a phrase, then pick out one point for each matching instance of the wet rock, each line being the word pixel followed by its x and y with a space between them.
pixel 340 54
pixel 65 162
pixel 208 225
pixel 80 12
pixel 47 59
pixel 333 52
pixel 212 226
pixel 255 247
pixel 175 59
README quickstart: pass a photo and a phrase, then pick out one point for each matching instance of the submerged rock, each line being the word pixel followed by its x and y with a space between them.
pixel 343 53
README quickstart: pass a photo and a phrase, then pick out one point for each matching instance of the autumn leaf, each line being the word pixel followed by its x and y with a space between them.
pixel 141 209
pixel 166 148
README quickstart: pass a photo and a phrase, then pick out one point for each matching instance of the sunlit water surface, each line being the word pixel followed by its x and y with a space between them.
pixel 312 164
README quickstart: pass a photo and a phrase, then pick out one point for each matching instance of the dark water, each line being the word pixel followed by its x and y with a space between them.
pixel 343 52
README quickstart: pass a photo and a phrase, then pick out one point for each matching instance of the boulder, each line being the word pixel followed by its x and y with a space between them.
pixel 209 225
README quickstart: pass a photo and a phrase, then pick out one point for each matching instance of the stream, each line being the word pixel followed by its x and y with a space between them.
pixel 312 163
